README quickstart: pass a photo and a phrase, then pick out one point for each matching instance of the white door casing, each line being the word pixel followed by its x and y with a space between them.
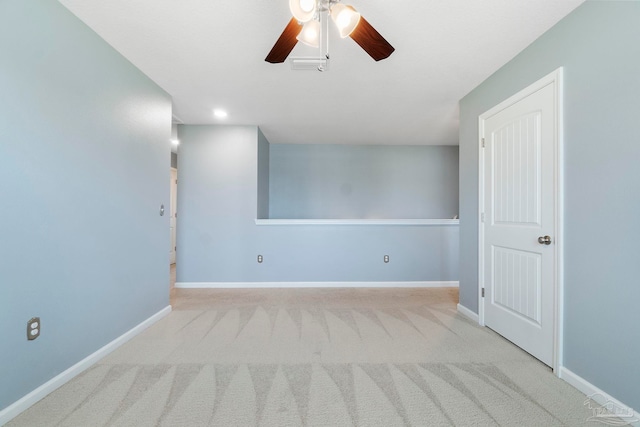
pixel 519 203
pixel 172 216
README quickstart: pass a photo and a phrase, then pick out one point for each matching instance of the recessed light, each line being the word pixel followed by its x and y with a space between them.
pixel 175 142
pixel 221 114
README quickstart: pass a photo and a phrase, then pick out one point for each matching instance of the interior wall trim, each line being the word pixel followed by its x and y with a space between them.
pixel 603 399
pixel 468 313
pixel 243 285
pixel 24 403
pixel 357 221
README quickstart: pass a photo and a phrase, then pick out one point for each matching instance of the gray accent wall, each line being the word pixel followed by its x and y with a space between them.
pixel 598 46
pixel 84 148
pixel 219 240
pixel 363 181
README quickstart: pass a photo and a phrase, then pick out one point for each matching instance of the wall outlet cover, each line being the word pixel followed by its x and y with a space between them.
pixel 33 328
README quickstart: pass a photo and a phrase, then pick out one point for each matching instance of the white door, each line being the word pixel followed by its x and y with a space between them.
pixel 519 206
pixel 172 217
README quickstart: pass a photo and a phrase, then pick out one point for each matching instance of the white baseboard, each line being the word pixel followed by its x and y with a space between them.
pixel 16 408
pixel 601 398
pixel 468 313
pixel 444 221
pixel 243 285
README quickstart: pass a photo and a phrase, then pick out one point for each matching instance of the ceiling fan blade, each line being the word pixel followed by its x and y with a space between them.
pixel 371 40
pixel 286 42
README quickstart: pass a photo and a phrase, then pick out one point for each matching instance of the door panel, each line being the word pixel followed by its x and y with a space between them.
pixel 516 169
pixel 519 206
pixel 516 283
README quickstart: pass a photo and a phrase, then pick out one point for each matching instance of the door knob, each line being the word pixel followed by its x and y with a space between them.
pixel 544 240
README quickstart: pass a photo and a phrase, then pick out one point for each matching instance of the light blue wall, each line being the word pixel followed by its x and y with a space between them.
pixel 217 203
pixel 219 240
pixel 363 181
pixel 598 46
pixel 84 143
pixel 174 135
pixel 263 175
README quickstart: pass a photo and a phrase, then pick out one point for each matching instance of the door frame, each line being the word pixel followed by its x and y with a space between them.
pixel 173 207
pixel 555 78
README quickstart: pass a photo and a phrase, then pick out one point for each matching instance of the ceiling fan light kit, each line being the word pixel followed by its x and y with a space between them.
pixel 303 10
pixel 306 27
pixel 346 19
pixel 310 34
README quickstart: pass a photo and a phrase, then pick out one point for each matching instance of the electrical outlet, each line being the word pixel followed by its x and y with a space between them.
pixel 259 259
pixel 33 328
pixel 386 259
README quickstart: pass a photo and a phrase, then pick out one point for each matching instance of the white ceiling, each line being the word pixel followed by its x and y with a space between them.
pixel 210 54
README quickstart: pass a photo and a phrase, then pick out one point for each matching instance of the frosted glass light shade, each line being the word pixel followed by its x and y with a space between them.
pixel 346 19
pixel 302 10
pixel 310 34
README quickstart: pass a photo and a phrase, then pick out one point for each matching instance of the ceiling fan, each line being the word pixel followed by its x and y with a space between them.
pixel 305 27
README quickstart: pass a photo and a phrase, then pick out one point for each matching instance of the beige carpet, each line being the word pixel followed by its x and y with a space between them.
pixel 316 357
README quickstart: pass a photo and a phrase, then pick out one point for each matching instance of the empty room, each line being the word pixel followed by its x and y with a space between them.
pixel 319 213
